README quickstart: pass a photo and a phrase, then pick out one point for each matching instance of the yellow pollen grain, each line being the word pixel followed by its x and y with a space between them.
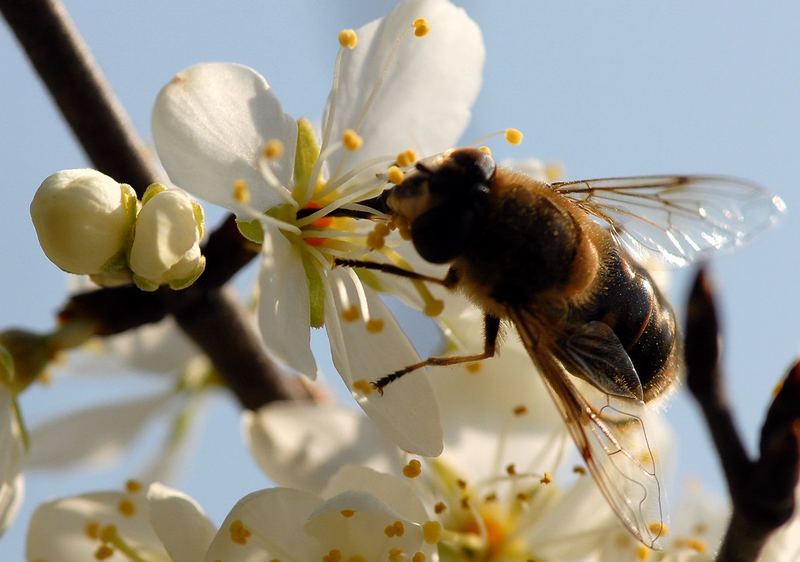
pixel 348 512
pixel 126 507
pixel 375 241
pixel 363 387
pixel 511 470
pixel 375 325
pixel 523 497
pixel 697 544
pixel 241 192
pixel 485 149
pixel 92 529
pixel 335 555
pixel 412 469
pixel 397 555
pixel 395 175
pixel 239 533
pixel 546 479
pixel 431 532
pixel 642 553
pixel 399 529
pixel 700 528
pixel 554 171
pixel 433 308
pixel 389 531
pixel 406 158
pixel 418 557
pixel 133 486
pixel 104 552
pixel 520 410
pixel 273 149
pixel 658 528
pixel 108 533
pixel 351 140
pixel 473 367
pixel 421 27
pixel 490 498
pixel 351 313
pixel 382 229
pixel 348 38
pixel 461 483
pixel 579 470
pixel 513 136
pixel 439 508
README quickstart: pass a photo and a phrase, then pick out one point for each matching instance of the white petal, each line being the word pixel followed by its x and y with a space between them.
pixel 180 523
pixel 391 490
pixel 425 99
pixel 303 445
pixel 407 411
pixel 275 519
pixel 11 480
pixel 96 434
pixel 57 530
pixel 210 124
pixel 160 347
pixel 283 305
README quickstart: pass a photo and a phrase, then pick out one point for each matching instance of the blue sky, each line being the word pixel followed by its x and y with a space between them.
pixel 608 89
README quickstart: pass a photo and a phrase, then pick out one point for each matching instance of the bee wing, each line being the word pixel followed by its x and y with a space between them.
pixel 611 438
pixel 676 218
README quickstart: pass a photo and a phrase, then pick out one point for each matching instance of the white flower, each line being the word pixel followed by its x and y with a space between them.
pixel 166 241
pixel 221 134
pixel 159 525
pixel 363 516
pixel 12 447
pixel 83 219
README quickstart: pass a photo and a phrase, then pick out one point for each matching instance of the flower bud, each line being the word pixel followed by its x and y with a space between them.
pixel 83 219
pixel 166 241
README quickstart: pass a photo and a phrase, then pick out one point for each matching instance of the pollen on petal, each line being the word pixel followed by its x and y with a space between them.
pixel 406 158
pixel 239 533
pixel 421 27
pixel 473 367
pixel 351 140
pixel 546 479
pixel 241 192
pixel 579 470
pixel 375 325
pixel 397 555
pixel 273 149
pixel 348 512
pixel 418 557
pixel 431 532
pixel 351 313
pixel 520 410
pixel 92 530
pixel 363 387
pixel 348 38
pixel 513 136
pixel 335 555
pixel 412 469
pixel 396 175
pixel 439 508
pixel 511 470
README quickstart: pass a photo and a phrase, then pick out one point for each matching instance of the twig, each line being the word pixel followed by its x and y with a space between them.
pixel 762 491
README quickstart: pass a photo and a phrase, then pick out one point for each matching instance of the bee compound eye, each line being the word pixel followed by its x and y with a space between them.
pixel 441 234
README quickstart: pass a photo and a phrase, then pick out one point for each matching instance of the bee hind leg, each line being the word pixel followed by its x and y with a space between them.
pixel 491 330
pixel 449 281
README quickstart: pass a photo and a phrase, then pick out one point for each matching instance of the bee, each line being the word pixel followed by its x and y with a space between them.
pixel 561 263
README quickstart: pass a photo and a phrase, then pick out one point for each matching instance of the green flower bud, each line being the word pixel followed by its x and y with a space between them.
pixel 83 219
pixel 166 241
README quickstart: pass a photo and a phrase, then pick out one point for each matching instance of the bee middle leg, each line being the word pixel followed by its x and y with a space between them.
pixel 491 329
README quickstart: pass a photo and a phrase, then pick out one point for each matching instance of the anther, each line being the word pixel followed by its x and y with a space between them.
pixel 92 530
pixel 351 313
pixel 418 557
pixel 431 532
pixel 579 470
pixel 395 175
pixel 473 367
pixel 241 192
pixel 412 469
pixel 104 552
pixel 348 38
pixel 335 555
pixel 133 486
pixel 396 554
pixel 126 507
pixel 108 533
pixel 513 136
pixel 421 27
pixel 642 553
pixel 511 470
pixel 520 410
pixel 406 158
pixel 546 479
pixel 375 325
pixel 351 140
pixel 434 308
pixel 273 149
pixel 439 508
pixel 348 512
pixel 485 149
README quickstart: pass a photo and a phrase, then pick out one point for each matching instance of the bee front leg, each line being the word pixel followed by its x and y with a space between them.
pixel 450 280
pixel 491 330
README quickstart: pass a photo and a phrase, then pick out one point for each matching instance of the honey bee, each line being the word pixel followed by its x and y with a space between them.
pixel 560 263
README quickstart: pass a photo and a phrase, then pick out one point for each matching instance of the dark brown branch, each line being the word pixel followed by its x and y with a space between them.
pixel 762 491
pixel 65 65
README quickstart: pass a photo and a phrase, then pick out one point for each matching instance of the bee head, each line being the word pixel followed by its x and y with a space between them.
pixel 443 200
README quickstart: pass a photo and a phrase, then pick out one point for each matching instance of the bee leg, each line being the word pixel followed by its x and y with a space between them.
pixel 449 281
pixel 491 330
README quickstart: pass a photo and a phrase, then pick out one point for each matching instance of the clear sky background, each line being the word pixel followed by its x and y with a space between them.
pixel 607 88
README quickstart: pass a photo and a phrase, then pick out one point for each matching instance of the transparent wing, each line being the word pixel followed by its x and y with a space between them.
pixel 611 437
pixel 676 218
